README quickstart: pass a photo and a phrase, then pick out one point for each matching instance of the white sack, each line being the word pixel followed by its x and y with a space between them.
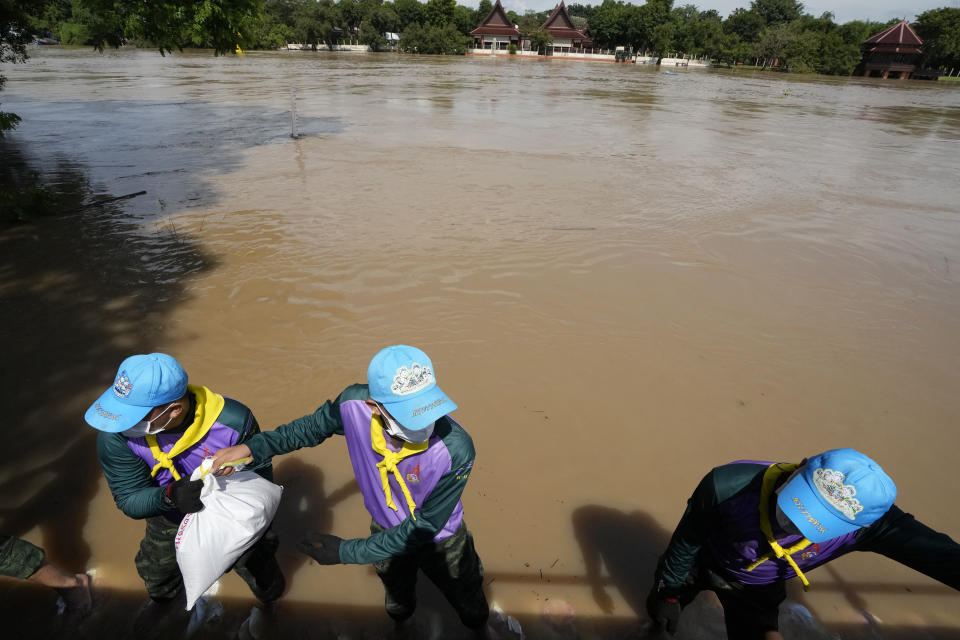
pixel 237 509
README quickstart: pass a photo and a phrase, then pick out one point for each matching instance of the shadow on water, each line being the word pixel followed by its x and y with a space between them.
pixel 165 148
pixel 305 506
pixel 76 297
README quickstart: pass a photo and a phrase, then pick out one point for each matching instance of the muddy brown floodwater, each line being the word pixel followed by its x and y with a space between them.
pixel 623 278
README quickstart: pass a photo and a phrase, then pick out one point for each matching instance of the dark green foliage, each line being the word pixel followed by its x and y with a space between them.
pixel 775 30
pixel 774 12
pixel 483 10
pixel 540 39
pixel 439 12
pixel 940 31
pixel 434 39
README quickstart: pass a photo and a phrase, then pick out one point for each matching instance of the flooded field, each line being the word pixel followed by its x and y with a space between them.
pixel 623 278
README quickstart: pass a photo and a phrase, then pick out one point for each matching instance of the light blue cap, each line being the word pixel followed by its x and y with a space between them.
pixel 835 493
pixel 142 383
pixel 403 380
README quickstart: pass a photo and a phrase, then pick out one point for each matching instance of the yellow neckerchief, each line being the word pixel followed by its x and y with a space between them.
pixel 209 406
pixel 390 460
pixel 770 477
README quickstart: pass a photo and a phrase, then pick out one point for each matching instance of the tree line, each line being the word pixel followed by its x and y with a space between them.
pixel 767 32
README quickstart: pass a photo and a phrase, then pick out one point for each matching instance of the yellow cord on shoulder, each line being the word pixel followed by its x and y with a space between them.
pixel 770 477
pixel 390 460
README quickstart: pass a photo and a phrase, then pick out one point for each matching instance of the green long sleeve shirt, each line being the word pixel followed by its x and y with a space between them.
pixel 312 429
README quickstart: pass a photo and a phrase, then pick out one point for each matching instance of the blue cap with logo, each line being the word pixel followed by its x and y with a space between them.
pixel 402 379
pixel 142 383
pixel 835 493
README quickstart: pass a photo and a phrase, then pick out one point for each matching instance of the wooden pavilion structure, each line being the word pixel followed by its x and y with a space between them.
pixel 892 53
pixel 566 37
pixel 496 31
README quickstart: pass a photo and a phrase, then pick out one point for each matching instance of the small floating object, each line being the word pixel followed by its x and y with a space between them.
pixel 670 73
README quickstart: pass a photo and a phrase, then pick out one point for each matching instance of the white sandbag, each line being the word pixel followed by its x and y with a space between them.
pixel 237 509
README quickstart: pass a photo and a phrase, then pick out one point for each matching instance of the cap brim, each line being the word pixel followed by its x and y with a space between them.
pixel 417 412
pixel 802 504
pixel 110 415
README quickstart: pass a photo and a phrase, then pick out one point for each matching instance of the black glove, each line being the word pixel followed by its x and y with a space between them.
pixel 322 547
pixel 664 610
pixel 184 494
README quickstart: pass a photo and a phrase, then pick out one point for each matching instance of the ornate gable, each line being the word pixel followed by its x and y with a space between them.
pixel 496 23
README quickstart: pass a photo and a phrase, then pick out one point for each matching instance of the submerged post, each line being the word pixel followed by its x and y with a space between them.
pixel 293 113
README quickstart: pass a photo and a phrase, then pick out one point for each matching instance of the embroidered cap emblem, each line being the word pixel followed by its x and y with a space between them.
pixel 411 380
pixel 829 484
pixel 122 386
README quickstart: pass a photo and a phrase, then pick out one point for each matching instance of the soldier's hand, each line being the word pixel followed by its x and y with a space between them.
pixel 664 610
pixel 322 547
pixel 230 454
pixel 184 494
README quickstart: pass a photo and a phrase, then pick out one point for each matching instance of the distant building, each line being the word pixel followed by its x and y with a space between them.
pixel 566 37
pixel 893 53
pixel 496 31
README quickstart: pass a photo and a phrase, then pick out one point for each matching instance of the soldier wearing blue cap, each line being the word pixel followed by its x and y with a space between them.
pixel 155 430
pixel 412 461
pixel 750 526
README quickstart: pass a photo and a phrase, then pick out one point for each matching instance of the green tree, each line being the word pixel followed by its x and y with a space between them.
pixel 409 12
pixel 463 19
pixel 776 12
pixel 802 50
pixel 661 39
pixel 351 15
pixel 433 39
pixel 774 42
pixel 439 12
pixel 540 39
pixel 580 10
pixel 607 23
pixel 385 19
pixel 372 37
pixel 314 21
pixel 940 31
pixel 837 57
pixel 530 21
pixel 857 32
pixel 483 10
pixel 745 23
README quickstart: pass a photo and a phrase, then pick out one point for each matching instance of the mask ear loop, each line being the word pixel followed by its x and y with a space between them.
pixel 150 431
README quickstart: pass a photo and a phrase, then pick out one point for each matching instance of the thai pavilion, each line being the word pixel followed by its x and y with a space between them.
pixel 892 53
pixel 566 37
pixel 496 31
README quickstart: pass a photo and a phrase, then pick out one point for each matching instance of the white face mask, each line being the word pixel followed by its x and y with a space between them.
pixel 394 429
pixel 146 428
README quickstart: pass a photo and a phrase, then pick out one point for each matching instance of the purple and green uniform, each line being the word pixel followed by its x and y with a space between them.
pixel 435 477
pixel 719 536
pixel 127 463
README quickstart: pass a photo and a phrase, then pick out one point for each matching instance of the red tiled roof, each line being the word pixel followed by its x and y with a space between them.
pixel 898 34
pixel 559 24
pixel 496 24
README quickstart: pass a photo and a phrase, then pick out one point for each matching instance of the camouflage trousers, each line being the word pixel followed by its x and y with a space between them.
pixel 451 564
pixel 157 564
pixel 19 558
